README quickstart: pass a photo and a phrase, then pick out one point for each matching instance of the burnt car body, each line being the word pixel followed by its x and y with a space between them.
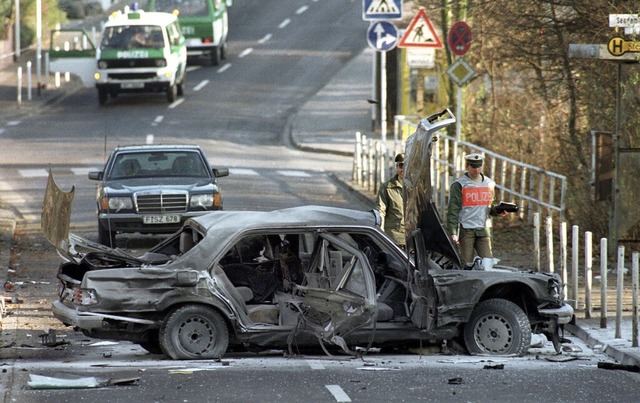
pixel 306 275
pixel 154 189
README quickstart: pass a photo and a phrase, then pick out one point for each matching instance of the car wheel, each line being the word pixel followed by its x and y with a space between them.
pixel 194 332
pixel 172 93
pixel 223 50
pixel 497 327
pixel 215 56
pixel 106 237
pixel 103 96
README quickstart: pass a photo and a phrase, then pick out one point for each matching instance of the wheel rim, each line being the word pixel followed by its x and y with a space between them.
pixel 196 335
pixel 493 334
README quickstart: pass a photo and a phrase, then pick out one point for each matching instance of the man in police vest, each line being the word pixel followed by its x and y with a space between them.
pixel 470 205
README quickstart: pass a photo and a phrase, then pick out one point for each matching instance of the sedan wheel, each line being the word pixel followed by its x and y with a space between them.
pixel 194 332
pixel 498 327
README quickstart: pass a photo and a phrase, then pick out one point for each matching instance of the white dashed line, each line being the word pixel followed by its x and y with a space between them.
pixel 338 393
pixel 176 103
pixel 201 85
pixel 265 38
pixel 1 131
pixel 158 119
pixel 284 23
pixel 223 68
pixel 83 171
pixel 242 171
pixel 302 9
pixel 13 122
pixel 299 174
pixel 33 173
pixel 245 52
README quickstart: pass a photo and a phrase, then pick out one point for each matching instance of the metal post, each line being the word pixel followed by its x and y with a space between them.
pixel 563 257
pixel 383 96
pixel 17 31
pixel 619 289
pixel 29 80
pixel 588 264
pixel 603 283
pixel 19 95
pixel 613 220
pixel 574 263
pixel 634 298
pixel 38 41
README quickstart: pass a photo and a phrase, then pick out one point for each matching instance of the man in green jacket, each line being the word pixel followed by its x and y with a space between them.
pixel 390 204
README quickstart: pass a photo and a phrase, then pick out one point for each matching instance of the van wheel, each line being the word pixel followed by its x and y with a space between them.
pixel 194 332
pixel 223 50
pixel 215 56
pixel 172 93
pixel 103 96
pixel 497 327
pixel 181 85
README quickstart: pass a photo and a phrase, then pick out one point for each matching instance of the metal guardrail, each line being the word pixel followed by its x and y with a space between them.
pixel 533 189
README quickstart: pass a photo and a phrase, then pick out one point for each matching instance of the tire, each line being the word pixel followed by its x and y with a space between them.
pixel 223 50
pixel 103 96
pixel 215 56
pixel 194 332
pixel 172 93
pixel 180 85
pixel 498 327
pixel 106 237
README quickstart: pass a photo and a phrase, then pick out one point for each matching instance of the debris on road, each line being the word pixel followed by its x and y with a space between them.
pixel 47 382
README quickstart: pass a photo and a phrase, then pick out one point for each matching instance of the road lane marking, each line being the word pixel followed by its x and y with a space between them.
pixel 176 103
pixel 302 9
pixel 83 170
pixel 242 171
pixel 157 120
pixel 284 23
pixel 14 122
pixel 193 68
pixel 265 38
pixel 1 131
pixel 245 52
pixel 33 173
pixel 338 393
pixel 299 174
pixel 223 68
pixel 201 85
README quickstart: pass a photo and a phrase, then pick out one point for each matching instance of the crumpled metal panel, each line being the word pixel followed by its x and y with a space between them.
pixel 56 216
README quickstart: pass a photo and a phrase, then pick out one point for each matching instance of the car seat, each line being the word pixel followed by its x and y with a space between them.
pixel 182 165
pixel 128 167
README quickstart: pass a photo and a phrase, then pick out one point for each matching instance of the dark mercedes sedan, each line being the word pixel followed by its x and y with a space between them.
pixel 154 189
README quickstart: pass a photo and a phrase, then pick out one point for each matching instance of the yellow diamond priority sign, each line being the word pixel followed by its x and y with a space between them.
pixel 460 72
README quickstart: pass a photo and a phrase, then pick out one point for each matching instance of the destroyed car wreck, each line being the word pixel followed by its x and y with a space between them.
pixel 301 276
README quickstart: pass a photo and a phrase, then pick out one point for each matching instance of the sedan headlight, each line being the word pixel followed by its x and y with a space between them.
pixel 204 201
pixel 116 203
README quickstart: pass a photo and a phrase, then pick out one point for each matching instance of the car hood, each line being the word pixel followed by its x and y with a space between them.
pixel 138 184
pixel 420 211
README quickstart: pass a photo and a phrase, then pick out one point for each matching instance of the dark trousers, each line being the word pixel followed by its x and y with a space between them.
pixel 470 242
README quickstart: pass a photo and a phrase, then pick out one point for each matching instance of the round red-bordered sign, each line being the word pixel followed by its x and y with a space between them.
pixel 459 38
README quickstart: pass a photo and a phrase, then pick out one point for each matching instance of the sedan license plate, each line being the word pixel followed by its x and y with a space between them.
pixel 131 85
pixel 161 219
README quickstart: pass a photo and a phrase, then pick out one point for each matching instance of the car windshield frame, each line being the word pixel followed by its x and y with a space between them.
pixel 158 164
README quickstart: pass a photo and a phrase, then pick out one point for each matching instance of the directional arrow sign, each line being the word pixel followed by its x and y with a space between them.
pixel 382 36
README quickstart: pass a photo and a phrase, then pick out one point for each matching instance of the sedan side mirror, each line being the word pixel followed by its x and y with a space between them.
pixel 219 172
pixel 96 175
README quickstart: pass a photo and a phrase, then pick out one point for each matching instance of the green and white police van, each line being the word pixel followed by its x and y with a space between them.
pixel 204 23
pixel 141 52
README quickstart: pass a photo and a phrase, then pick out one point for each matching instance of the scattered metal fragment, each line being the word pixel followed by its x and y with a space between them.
pixel 495 366
pixel 611 365
pixel 456 381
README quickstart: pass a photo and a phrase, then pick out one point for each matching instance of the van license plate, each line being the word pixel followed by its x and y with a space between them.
pixel 161 219
pixel 132 85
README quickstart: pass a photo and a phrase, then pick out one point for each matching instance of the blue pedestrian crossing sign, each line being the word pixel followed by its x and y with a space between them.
pixel 382 36
pixel 377 10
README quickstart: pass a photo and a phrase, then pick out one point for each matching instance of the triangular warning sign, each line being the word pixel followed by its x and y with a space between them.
pixel 420 33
